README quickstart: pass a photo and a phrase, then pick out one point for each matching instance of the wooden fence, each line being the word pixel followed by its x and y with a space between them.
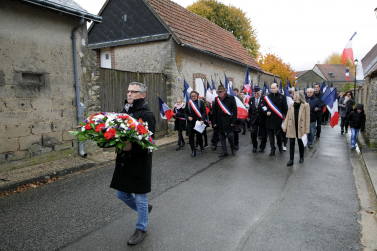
pixel 114 85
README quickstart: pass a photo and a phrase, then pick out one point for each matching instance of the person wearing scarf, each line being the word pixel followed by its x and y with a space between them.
pixel 180 122
pixel 296 124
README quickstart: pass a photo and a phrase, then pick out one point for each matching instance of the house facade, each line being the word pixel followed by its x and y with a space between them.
pixel 334 73
pixel 308 78
pixel 37 82
pixel 161 36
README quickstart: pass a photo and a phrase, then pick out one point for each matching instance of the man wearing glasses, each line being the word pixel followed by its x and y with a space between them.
pixel 224 119
pixel 133 169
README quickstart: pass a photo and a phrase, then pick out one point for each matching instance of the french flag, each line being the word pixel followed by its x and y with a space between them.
pixel 348 75
pixel 347 52
pixel 242 112
pixel 288 97
pixel 332 105
pixel 246 85
pixel 165 111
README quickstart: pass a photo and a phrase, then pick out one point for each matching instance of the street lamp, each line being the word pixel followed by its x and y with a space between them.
pixel 375 12
pixel 354 88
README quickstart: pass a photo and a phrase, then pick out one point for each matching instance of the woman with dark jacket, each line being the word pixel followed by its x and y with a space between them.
pixel 297 124
pixel 342 112
pixel 349 102
pixel 180 122
pixel 195 110
pixel 356 120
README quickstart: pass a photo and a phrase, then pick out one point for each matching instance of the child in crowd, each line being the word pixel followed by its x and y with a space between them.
pixel 356 120
pixel 180 122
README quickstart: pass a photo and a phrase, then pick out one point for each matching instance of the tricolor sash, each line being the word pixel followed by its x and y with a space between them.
pixel 195 108
pixel 176 111
pixel 223 107
pixel 273 107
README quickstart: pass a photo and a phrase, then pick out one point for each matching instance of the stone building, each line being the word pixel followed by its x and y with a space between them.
pixel 334 73
pixel 308 77
pixel 369 63
pixel 37 82
pixel 162 37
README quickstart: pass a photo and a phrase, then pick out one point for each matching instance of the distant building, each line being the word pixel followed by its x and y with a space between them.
pixel 308 77
pixel 333 73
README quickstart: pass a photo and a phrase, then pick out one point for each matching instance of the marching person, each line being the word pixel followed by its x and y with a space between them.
pixel 342 112
pixel 225 117
pixel 318 94
pixel 133 169
pixel 275 108
pixel 195 110
pixel 313 104
pixel 257 119
pixel 349 102
pixel 180 122
pixel 297 124
pixel 356 120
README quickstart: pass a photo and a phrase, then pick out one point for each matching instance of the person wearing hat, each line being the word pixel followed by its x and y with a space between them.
pixel 224 118
pixel 257 119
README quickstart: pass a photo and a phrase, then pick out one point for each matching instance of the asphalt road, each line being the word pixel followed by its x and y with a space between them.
pixel 246 202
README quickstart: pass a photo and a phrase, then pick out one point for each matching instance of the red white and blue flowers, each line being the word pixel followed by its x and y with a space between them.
pixel 115 130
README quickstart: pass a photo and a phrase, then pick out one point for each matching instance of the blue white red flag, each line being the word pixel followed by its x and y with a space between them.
pixel 186 91
pixel 242 112
pixel 288 97
pixel 332 106
pixel 213 85
pixel 347 52
pixel 348 75
pixel 165 111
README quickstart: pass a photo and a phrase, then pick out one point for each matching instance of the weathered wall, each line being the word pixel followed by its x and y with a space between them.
pixel 310 77
pixel 37 111
pixel 370 107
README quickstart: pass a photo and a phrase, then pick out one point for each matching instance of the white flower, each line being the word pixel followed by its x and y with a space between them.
pixel 83 129
pixel 98 117
pixel 140 137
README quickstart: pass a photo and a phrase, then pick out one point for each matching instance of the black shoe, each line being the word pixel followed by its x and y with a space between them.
pixel 137 237
pixel 290 163
pixel 341 132
pixel 214 148
pixel 234 152
pixel 261 150
pixel 183 144
pixel 254 150
pixel 177 148
pixel 196 147
pixel 223 155
pixel 193 154
pixel 149 208
pixel 205 145
pixel 301 160
pixel 280 149
pixel 346 131
pixel 272 153
pixel 243 133
pixel 202 149
pixel 236 147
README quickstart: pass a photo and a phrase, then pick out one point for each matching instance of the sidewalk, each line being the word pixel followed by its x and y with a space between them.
pixel 31 176
pixel 369 157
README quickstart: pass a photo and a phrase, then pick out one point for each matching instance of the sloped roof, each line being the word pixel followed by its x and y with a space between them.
pixel 66 6
pixel 199 33
pixel 338 70
pixel 369 62
pixel 300 73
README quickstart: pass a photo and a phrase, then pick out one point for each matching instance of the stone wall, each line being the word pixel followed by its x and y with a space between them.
pixel 310 77
pixel 370 107
pixel 37 92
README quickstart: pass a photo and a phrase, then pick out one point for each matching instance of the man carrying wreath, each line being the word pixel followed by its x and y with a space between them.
pixel 224 118
pixel 133 169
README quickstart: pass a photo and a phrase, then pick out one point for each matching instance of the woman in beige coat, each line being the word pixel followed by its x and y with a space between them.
pixel 296 124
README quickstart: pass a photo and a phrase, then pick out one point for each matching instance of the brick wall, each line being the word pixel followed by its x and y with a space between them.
pixel 198 75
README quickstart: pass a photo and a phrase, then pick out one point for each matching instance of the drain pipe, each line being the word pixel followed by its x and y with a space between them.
pixel 80 106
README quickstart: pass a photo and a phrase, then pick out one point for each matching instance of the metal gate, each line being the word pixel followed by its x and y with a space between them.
pixel 114 85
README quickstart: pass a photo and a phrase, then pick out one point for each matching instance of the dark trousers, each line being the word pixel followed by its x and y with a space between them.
pixel 199 139
pixel 346 123
pixel 319 123
pixel 223 137
pixel 243 124
pixel 342 123
pixel 204 135
pixel 254 135
pixel 292 148
pixel 285 139
pixel 236 138
pixel 215 137
pixel 180 137
pixel 279 137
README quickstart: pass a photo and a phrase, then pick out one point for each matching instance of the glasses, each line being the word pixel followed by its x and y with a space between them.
pixel 132 92
pixel 220 91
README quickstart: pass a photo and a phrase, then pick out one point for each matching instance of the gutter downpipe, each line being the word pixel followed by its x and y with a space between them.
pixel 80 106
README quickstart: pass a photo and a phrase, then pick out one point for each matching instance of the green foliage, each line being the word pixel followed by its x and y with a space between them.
pixel 347 86
pixel 231 19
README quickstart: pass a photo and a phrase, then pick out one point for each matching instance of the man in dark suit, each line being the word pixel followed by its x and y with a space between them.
pixel 257 119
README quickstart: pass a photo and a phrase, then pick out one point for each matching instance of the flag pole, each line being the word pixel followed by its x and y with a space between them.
pixel 327 96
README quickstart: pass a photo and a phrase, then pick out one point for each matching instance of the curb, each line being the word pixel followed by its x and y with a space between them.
pixel 361 144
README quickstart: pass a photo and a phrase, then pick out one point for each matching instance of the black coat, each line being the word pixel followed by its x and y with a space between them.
pixel 349 106
pixel 179 124
pixel 222 120
pixel 257 116
pixel 357 120
pixel 189 112
pixel 313 103
pixel 133 169
pixel 274 121
pixel 319 96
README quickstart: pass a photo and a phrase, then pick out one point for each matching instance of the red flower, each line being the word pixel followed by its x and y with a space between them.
pixel 141 121
pixel 141 129
pixel 99 127
pixel 110 133
pixel 125 117
pixel 88 127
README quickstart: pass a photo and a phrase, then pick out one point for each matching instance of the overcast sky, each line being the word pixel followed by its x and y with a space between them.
pixel 302 32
